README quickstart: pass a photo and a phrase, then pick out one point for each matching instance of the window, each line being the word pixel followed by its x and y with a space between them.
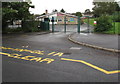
pixel 71 19
pixel 59 20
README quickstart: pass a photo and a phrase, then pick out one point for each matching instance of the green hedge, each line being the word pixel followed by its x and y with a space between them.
pixel 27 26
pixel 30 26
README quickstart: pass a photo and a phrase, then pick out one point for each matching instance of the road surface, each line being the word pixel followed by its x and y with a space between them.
pixel 53 58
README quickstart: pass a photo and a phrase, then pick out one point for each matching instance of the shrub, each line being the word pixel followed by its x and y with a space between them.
pixel 104 23
pixel 30 26
pixel 116 17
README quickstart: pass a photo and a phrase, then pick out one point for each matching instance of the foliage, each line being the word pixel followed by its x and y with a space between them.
pixel 78 14
pixel 10 30
pixel 91 21
pixel 30 26
pixel 14 11
pixel 62 10
pixel 101 8
pixel 116 17
pixel 87 11
pixel 104 23
pixel 114 30
pixel 55 10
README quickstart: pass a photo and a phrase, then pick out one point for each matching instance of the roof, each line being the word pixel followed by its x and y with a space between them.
pixel 103 0
pixel 57 13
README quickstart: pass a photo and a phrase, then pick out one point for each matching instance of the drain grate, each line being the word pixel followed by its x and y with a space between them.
pixel 67 54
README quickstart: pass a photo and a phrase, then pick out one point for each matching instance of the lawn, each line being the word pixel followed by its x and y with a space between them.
pixel 91 21
pixel 114 30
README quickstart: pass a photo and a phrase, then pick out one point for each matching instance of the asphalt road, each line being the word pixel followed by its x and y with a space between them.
pixel 58 60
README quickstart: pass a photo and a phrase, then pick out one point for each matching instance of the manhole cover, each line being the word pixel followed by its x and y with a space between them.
pixel 76 48
pixel 66 53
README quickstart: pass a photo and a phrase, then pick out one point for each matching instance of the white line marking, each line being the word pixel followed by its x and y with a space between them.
pixel 76 48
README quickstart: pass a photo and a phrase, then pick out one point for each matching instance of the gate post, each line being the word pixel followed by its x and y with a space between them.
pixel 46 24
pixel 65 24
pixel 78 24
pixel 88 25
pixel 52 24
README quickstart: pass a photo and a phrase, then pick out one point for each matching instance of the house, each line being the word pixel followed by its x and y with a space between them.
pixel 59 17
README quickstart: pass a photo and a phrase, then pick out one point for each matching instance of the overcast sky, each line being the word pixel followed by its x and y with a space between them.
pixel 70 6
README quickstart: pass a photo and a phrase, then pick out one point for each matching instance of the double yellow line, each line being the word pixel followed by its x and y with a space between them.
pixel 93 66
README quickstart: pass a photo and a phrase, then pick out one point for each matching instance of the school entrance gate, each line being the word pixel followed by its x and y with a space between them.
pixel 65 25
pixel 62 24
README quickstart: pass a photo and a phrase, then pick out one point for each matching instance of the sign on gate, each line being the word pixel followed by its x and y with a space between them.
pixel 95 22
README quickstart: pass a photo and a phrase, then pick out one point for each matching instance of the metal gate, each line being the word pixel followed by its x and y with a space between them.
pixel 65 27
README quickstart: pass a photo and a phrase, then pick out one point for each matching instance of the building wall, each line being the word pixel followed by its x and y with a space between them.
pixel 59 19
pixel 55 18
pixel 69 20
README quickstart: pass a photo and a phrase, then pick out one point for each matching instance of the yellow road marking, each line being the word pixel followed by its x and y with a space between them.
pixel 58 54
pixel 35 51
pixel 25 50
pixel 37 59
pixel 29 58
pixel 113 72
pixel 51 53
pixel 50 60
pixel 93 66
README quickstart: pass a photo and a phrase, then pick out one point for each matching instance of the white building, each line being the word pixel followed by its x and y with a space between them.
pixel 59 17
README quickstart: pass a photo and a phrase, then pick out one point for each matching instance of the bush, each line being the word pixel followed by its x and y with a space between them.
pixel 30 26
pixel 104 23
pixel 27 26
pixel 116 17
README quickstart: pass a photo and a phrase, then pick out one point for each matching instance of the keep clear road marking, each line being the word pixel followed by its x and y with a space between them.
pixel 93 66
pixel 28 58
pixel 33 51
pixel 50 60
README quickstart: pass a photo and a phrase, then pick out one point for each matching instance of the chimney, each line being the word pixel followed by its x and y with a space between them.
pixel 46 11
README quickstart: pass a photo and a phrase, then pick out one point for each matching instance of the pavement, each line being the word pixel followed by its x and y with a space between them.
pixel 99 41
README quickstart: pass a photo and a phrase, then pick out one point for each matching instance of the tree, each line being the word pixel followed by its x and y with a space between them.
pixel 77 14
pixel 55 10
pixel 14 11
pixel 62 10
pixel 103 23
pixel 7 14
pixel 22 8
pixel 101 8
pixel 87 11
